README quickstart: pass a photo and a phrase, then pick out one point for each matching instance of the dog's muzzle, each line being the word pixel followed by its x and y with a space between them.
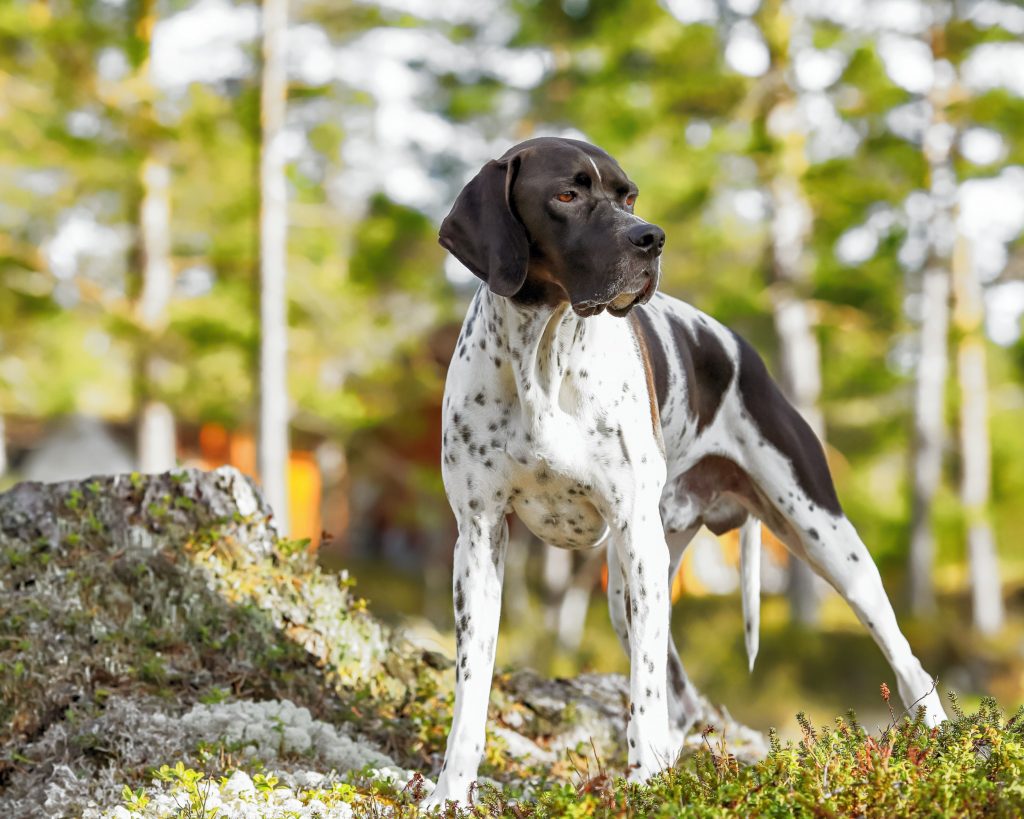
pixel 651 240
pixel 624 302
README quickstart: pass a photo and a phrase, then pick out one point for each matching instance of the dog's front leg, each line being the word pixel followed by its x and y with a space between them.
pixel 643 560
pixel 476 583
pixel 684 703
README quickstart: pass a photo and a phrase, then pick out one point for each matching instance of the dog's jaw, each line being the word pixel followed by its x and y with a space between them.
pixel 622 304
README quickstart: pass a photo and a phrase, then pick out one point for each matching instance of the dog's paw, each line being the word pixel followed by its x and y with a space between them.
pixel 447 791
pixel 934 714
pixel 657 760
pixel 430 804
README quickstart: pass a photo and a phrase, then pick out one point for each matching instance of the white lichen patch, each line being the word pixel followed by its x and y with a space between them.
pixel 304 763
pixel 278 729
pixel 239 796
pixel 274 794
pixel 307 755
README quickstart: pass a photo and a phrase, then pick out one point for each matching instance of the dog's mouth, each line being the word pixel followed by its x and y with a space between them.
pixel 624 302
pixel 621 304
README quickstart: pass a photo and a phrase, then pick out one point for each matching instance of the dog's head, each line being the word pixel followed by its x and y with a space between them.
pixel 553 220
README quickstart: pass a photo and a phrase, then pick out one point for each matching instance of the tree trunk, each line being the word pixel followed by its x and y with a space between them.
pixel 799 353
pixel 156 438
pixel 572 613
pixel 515 595
pixel 801 381
pixel 776 112
pixel 933 341
pixel 556 574
pixel 156 442
pixel 273 377
pixel 3 446
pixel 929 435
pixel 975 447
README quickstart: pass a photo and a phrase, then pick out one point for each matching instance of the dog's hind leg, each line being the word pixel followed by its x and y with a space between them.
pixel 684 703
pixel 837 553
pixel 618 596
pixel 792 492
pixel 828 542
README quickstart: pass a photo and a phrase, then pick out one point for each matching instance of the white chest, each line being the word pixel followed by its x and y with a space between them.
pixel 548 418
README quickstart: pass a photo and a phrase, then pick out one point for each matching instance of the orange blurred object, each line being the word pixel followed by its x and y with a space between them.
pixel 242 453
pixel 305 487
pixel 215 443
pixel 678 583
pixel 218 446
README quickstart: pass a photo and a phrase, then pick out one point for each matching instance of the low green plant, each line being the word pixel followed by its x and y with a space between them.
pixel 972 765
pixel 191 783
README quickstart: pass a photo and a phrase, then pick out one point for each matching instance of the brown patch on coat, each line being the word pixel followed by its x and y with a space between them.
pixel 652 393
pixel 728 494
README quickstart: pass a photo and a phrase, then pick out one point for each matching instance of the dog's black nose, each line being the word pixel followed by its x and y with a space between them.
pixel 647 237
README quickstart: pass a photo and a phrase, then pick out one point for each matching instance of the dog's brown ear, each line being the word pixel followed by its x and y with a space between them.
pixel 483 231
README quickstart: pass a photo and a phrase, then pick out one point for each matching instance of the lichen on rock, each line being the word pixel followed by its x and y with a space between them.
pixel 159 624
pixel 169 589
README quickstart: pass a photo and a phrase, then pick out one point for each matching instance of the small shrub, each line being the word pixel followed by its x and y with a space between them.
pixel 972 765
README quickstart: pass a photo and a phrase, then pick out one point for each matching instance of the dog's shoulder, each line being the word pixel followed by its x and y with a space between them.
pixel 688 350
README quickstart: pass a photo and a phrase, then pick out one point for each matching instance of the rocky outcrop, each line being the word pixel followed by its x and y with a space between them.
pixel 151 619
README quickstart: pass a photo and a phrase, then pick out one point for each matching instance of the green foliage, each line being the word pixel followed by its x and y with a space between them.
pixel 366 289
pixel 190 784
pixel 394 248
pixel 969 766
pixel 74 344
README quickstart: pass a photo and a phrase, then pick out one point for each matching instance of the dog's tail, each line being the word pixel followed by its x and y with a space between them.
pixel 750 585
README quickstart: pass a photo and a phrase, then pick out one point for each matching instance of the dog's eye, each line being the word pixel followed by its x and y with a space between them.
pixel 630 200
pixel 566 196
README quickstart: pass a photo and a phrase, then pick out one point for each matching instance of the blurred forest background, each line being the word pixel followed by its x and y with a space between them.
pixel 218 245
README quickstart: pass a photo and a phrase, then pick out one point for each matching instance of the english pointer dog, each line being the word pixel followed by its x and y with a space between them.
pixel 602 412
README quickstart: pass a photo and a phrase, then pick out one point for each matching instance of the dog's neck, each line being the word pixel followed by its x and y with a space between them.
pixel 540 344
pixel 541 339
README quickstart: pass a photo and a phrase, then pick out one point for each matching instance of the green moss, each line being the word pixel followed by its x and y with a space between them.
pixel 185 621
